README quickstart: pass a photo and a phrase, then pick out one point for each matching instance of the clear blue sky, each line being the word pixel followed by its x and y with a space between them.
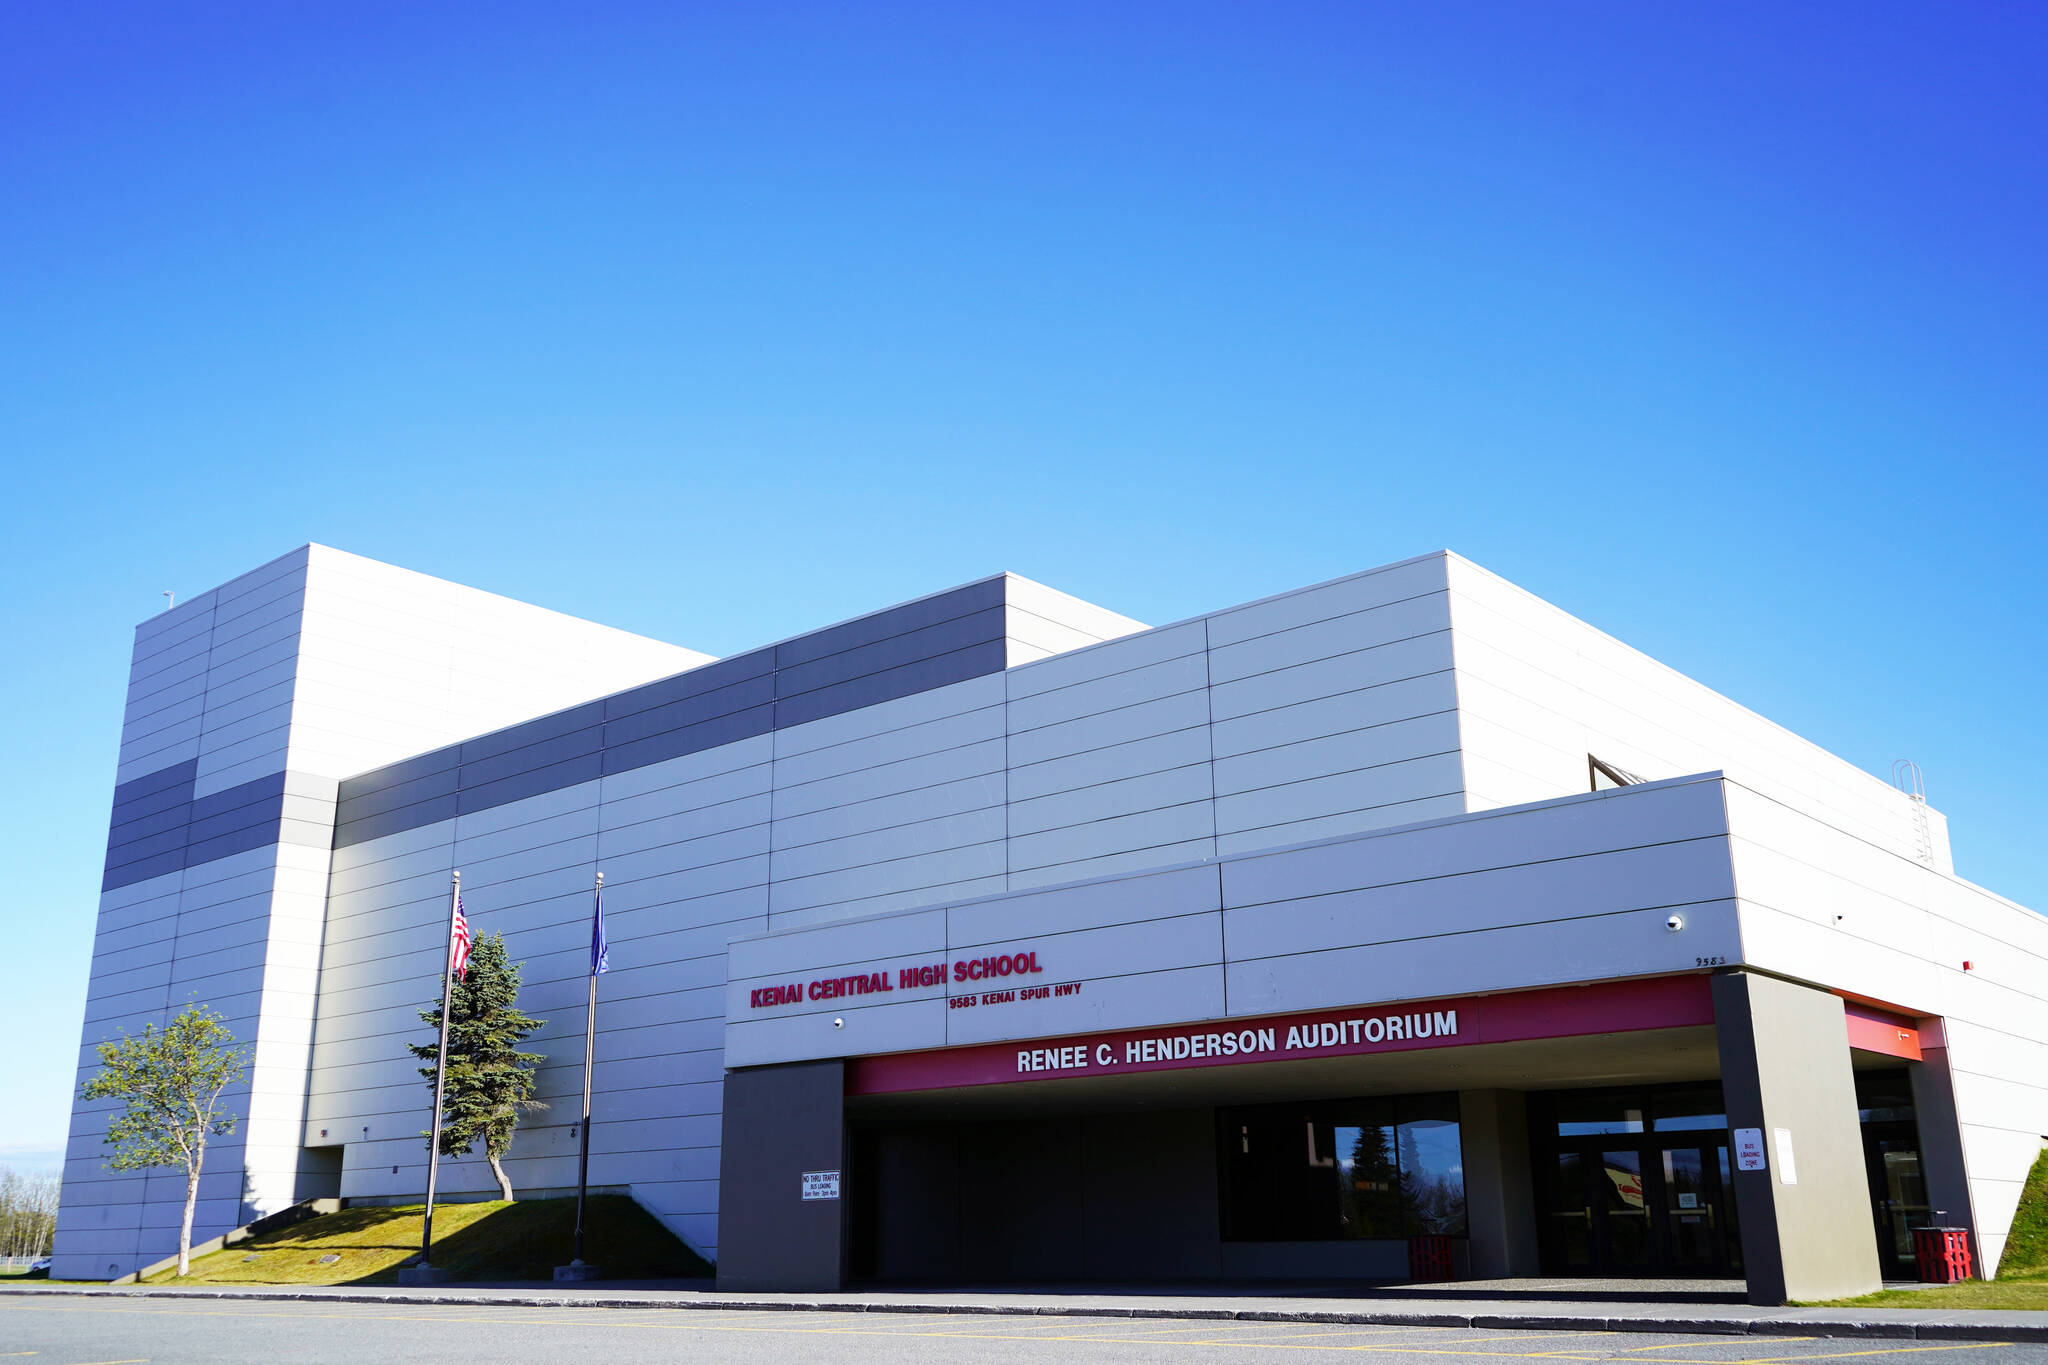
pixel 1720 325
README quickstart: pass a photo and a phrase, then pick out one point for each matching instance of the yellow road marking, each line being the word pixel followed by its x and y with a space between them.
pixel 1677 1344
pixel 1379 1330
pixel 1212 1326
pixel 1888 1351
pixel 579 1317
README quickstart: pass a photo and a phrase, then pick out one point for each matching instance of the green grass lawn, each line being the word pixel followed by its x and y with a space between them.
pixel 481 1241
pixel 2022 1272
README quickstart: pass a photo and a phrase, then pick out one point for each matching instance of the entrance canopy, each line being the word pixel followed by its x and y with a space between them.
pixel 1684 1053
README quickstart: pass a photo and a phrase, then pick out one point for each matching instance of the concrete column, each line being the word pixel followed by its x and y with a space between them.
pixel 1500 1202
pixel 781 1122
pixel 1941 1148
pixel 1806 1223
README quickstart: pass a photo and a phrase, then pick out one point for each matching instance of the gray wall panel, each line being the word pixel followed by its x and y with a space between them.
pixel 309 833
pixel 780 1122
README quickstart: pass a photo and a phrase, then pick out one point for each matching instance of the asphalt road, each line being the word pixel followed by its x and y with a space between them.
pixel 159 1332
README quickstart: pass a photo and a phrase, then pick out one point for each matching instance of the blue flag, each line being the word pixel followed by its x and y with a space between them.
pixel 600 951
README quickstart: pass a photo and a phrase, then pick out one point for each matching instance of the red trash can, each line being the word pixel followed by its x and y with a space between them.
pixel 1942 1254
pixel 1430 1258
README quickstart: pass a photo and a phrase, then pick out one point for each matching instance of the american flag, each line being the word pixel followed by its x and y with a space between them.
pixel 460 958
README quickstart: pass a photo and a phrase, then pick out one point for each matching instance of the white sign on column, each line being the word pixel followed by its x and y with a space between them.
pixel 821 1184
pixel 1781 1140
pixel 1749 1149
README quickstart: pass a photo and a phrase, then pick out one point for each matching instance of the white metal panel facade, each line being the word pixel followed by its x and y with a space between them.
pixel 1367 790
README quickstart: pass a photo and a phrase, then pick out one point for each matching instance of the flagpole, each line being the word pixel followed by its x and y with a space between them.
pixel 589 1055
pixel 441 1068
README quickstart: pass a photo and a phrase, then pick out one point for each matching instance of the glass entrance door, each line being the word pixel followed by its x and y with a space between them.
pixel 1695 1237
pixel 1643 1208
pixel 1634 1182
pixel 1898 1193
pixel 1621 1214
pixel 1567 1212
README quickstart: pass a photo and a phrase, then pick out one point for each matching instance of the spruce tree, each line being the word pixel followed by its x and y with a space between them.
pixel 490 1082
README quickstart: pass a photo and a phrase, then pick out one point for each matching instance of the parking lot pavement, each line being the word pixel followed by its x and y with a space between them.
pixel 109 1331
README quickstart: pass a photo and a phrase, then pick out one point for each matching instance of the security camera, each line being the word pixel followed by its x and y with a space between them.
pixel 838 1023
pixel 1675 923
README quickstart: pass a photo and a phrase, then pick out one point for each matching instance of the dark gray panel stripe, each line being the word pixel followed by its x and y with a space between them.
pixel 445 782
pixel 124 832
pixel 163 779
pixel 248 793
pixel 690 739
pixel 130 873
pixel 429 812
pixel 875 688
pixel 405 770
pixel 901 620
pixel 691 711
pixel 896 653
pixel 757 663
pixel 159 827
pixel 533 732
pixel 150 835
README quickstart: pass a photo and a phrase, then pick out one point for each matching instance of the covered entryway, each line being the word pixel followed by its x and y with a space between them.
pixel 1310 1172
pixel 1590 1131
pixel 1635 1182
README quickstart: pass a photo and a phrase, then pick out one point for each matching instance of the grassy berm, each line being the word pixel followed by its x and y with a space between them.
pixel 485 1241
pixel 2022 1271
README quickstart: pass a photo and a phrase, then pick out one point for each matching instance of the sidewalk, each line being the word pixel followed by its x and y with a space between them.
pixel 1540 1305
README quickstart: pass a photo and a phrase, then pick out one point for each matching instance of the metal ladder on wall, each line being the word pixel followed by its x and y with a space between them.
pixel 1907 778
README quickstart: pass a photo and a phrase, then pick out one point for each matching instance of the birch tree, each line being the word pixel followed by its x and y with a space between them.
pixel 169 1081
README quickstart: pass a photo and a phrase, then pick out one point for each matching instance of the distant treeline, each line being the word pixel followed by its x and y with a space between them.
pixel 28 1213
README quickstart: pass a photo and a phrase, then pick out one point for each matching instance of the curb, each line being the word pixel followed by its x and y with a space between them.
pixel 1894 1328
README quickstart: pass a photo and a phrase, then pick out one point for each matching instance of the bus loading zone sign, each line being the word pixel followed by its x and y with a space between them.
pixel 821 1184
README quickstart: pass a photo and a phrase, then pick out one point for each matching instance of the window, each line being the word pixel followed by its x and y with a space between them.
pixel 1683 1108
pixel 1884 1096
pixel 1342 1169
pixel 1584 1113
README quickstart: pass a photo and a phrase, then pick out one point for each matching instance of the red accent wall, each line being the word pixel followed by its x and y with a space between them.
pixel 1876 1030
pixel 1563 1012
